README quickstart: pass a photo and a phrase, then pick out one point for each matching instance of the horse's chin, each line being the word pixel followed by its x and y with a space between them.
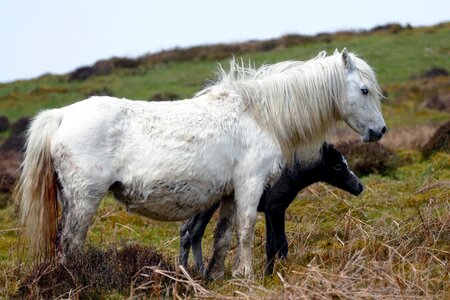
pixel 367 138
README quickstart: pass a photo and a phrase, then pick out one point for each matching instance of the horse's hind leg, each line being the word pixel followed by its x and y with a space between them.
pixel 77 213
pixel 222 239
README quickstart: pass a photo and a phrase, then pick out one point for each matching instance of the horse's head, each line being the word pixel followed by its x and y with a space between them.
pixel 335 171
pixel 361 107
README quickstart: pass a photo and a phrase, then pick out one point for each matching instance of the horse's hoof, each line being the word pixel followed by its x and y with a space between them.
pixel 243 272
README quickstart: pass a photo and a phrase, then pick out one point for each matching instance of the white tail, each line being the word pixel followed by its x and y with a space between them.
pixel 36 190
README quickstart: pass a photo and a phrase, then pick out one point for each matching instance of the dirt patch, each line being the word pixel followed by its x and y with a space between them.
pixel 95 273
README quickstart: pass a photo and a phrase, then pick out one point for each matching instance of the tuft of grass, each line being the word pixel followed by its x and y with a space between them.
pixel 367 158
pixel 440 141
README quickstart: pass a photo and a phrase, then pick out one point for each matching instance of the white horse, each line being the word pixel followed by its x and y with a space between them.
pixel 171 160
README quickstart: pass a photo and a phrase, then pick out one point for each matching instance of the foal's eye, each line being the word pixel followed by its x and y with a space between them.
pixel 364 91
pixel 337 167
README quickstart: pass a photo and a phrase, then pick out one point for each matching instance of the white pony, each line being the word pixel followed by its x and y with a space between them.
pixel 171 160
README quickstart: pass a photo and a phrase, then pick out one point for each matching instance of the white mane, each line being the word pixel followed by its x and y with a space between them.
pixel 296 101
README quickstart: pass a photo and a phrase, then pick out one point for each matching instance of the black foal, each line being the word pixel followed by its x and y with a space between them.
pixel 331 168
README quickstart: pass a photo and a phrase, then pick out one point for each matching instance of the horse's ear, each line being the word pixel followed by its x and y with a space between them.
pixel 347 59
pixel 336 51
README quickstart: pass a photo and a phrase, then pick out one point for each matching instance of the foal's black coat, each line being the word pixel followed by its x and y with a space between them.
pixel 331 168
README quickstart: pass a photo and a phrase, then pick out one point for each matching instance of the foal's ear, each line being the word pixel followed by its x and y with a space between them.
pixel 336 51
pixel 347 60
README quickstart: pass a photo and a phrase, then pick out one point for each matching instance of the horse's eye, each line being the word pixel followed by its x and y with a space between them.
pixel 337 167
pixel 364 91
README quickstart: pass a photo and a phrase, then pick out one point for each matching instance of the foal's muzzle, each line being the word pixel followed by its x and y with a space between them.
pixel 358 189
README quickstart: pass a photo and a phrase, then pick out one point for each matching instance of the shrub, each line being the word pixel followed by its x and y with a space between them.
pixel 4 123
pixel 103 91
pixel 125 63
pixel 81 73
pixel 16 140
pixel 95 272
pixel 164 96
pixel 438 101
pixel 367 158
pixel 103 67
pixel 432 73
pixel 440 141
pixel 390 28
pixel 9 170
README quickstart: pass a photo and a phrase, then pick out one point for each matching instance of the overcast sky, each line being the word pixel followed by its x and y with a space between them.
pixel 57 36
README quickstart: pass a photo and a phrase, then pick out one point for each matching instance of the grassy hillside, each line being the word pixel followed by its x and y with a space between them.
pixel 393 241
pixel 395 56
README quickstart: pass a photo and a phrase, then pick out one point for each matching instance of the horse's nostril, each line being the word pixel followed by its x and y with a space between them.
pixel 383 131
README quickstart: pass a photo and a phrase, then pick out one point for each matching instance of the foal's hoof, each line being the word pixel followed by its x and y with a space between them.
pixel 211 276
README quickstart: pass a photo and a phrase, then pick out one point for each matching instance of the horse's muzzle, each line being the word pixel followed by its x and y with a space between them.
pixel 374 135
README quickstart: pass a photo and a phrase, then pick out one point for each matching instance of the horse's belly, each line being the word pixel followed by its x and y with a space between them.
pixel 169 201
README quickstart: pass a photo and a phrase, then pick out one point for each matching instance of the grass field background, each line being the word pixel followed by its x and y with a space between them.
pixel 393 241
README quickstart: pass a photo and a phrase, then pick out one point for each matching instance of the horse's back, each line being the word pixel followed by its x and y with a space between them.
pixel 175 149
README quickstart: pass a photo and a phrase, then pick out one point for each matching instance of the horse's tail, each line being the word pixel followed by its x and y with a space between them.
pixel 36 190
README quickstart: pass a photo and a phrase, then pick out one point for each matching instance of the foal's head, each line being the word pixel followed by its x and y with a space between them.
pixel 335 171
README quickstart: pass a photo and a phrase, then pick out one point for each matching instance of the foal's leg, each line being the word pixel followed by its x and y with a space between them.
pixel 197 235
pixel 275 212
pixel 185 240
pixel 222 239
pixel 191 233
pixel 270 249
pixel 276 241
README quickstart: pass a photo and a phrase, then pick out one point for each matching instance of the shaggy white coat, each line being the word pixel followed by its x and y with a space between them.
pixel 170 160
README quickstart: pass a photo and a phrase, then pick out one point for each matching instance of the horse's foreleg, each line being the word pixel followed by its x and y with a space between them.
pixel 222 239
pixel 247 199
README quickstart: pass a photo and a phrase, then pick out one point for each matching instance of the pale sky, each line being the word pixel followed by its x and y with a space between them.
pixel 57 36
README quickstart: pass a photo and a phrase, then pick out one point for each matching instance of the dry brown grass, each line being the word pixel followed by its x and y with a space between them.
pixel 397 261
pixel 408 137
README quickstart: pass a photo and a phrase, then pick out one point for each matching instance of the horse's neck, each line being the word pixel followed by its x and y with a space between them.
pixel 298 107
